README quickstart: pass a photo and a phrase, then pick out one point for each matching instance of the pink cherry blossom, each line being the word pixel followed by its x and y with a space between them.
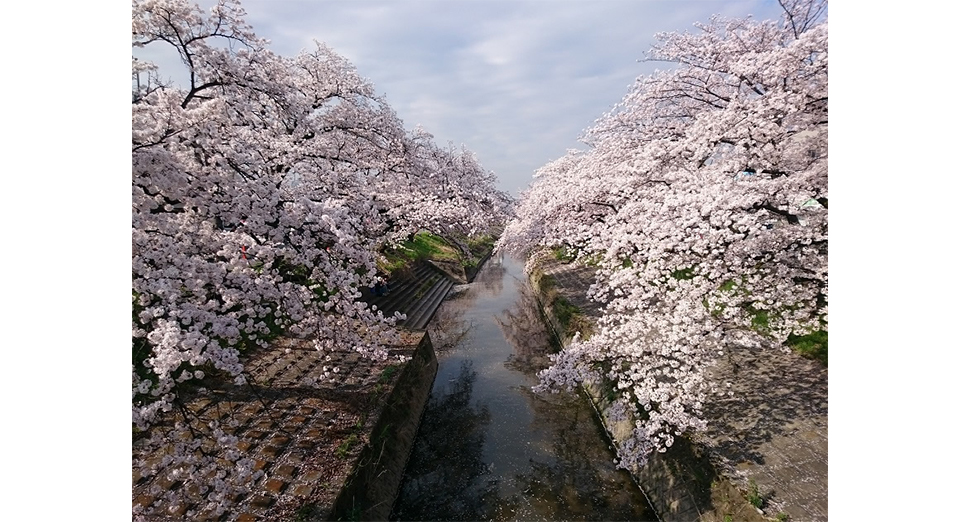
pixel 702 199
pixel 262 193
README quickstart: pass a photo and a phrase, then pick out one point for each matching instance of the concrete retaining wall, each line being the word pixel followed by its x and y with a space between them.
pixel 682 485
pixel 371 489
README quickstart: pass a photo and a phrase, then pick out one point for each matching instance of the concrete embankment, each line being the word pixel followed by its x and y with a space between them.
pixel 317 442
pixel 370 490
pixel 372 486
pixel 330 447
pixel 771 435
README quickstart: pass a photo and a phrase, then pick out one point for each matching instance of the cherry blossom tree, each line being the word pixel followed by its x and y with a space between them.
pixel 262 192
pixel 702 198
pixel 444 190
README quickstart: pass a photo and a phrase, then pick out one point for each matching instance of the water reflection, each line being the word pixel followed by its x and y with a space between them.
pixel 447 463
pixel 491 449
pixel 522 325
pixel 448 328
pixel 575 480
pixel 490 279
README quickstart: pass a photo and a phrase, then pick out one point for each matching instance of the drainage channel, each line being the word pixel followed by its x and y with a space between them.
pixel 489 448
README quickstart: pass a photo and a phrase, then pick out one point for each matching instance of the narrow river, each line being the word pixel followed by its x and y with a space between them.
pixel 488 447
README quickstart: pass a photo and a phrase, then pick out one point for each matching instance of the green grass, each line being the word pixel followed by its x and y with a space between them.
pixel 564 254
pixel 760 320
pixel 754 496
pixel 480 247
pixel 565 310
pixel 344 448
pixel 568 254
pixel 387 373
pixel 482 243
pixel 727 286
pixel 423 246
pixel 547 283
pixel 813 345
pixel 426 246
pixel 570 316
pixel 306 512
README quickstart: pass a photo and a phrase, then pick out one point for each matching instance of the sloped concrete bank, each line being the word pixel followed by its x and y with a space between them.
pixel 329 448
pixel 373 485
pixel 682 485
pixel 458 272
pixel 371 488
pixel 314 438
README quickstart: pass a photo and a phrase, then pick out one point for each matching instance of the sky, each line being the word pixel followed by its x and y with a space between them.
pixel 516 82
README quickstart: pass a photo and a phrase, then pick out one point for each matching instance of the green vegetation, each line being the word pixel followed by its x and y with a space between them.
pixel 568 254
pixel 306 512
pixel 480 245
pixel 570 316
pixel 424 246
pixel 682 273
pixel 813 345
pixel 344 448
pixel 387 373
pixel 759 319
pixel 727 286
pixel 546 283
pixel 782 517
pixel 421 247
pixel 564 254
pixel 754 496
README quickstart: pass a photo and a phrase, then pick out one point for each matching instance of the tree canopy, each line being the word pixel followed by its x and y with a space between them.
pixel 262 193
pixel 702 198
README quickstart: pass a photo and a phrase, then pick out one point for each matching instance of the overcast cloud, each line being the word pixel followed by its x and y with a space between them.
pixel 514 81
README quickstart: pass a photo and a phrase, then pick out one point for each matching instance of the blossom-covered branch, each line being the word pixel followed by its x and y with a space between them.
pixel 262 193
pixel 703 200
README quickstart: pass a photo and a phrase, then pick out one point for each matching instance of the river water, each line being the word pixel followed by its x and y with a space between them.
pixel 488 447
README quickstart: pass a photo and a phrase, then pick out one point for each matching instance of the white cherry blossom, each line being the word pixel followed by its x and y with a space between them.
pixel 702 199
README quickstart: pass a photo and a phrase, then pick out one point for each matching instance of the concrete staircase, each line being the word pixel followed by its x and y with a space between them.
pixel 418 295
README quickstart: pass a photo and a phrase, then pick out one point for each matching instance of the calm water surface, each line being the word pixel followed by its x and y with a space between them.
pixel 488 447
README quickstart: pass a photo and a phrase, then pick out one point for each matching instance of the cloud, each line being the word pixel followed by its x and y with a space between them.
pixel 515 81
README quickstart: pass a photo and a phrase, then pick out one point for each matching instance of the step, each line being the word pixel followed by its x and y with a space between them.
pixel 398 289
pixel 427 306
pixel 435 305
pixel 402 298
pixel 398 299
pixel 411 306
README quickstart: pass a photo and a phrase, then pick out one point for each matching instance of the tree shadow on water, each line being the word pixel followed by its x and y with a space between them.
pixel 441 478
pixel 489 280
pixel 579 480
pixel 523 326
pixel 448 329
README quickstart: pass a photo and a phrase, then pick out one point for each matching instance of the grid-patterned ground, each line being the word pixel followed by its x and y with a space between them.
pixel 305 433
